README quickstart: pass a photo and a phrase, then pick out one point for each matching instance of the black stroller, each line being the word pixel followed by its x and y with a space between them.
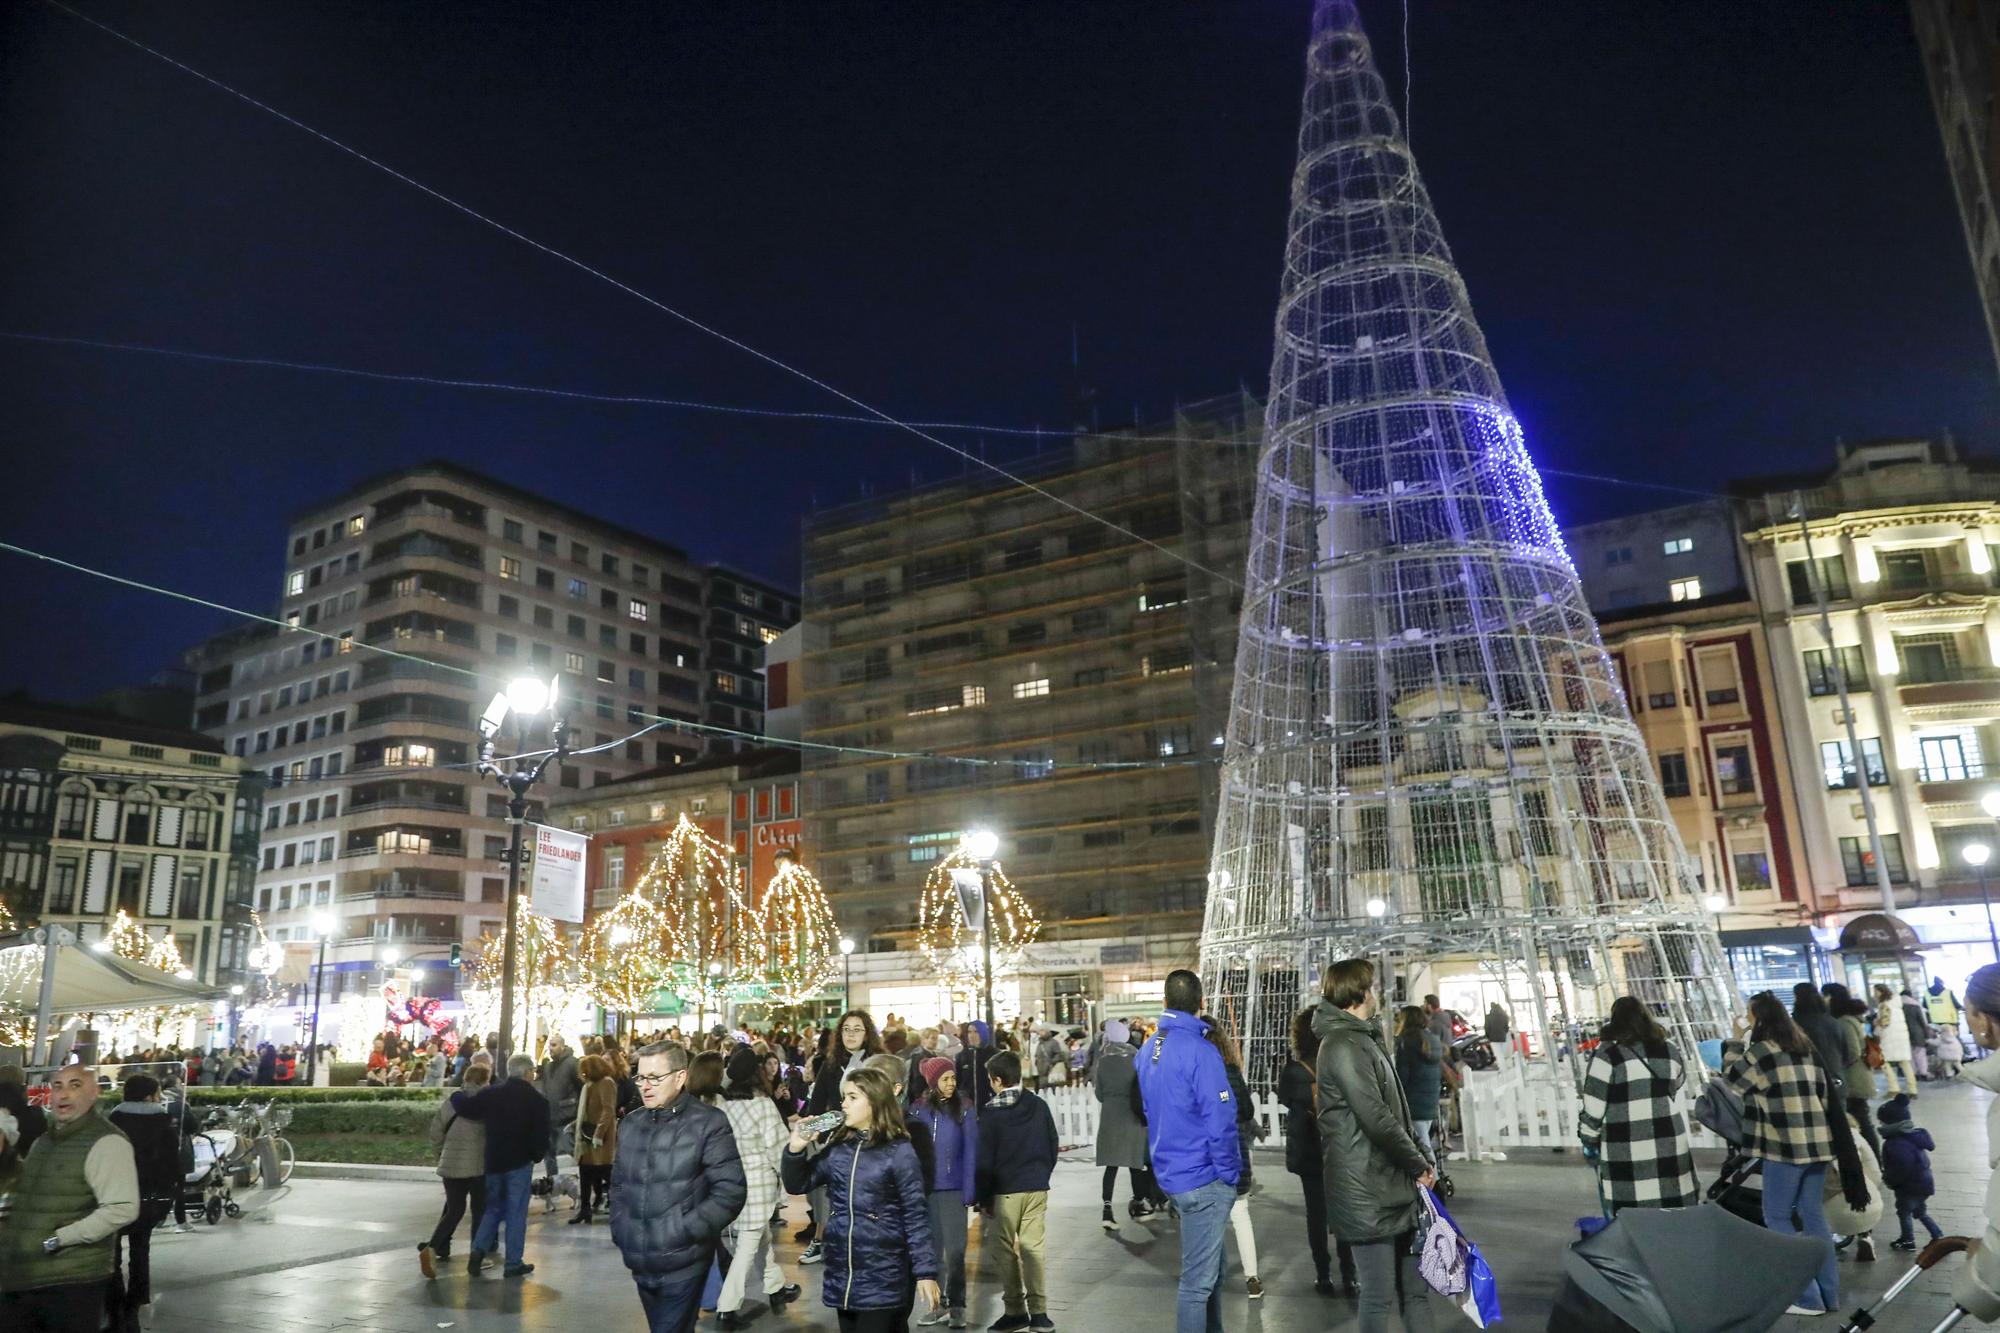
pixel 1652 1270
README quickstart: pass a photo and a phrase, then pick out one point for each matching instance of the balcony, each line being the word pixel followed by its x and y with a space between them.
pixel 1955 684
pixel 396 890
pixel 402 849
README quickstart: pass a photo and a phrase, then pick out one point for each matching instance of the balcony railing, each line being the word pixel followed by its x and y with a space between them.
pixel 374 850
pixel 1949 675
pixel 418 549
pixel 405 891
pixel 1950 772
pixel 408 803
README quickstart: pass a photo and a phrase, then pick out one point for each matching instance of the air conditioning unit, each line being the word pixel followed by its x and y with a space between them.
pixel 1843 715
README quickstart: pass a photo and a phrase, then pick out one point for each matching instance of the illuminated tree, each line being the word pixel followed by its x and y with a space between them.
pixel 951 945
pixel 801 941
pixel 623 953
pixel 713 936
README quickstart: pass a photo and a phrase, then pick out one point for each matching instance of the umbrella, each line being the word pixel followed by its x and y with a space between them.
pixel 1654 1269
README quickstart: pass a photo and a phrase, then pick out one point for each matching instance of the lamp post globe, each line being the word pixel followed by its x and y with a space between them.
pixel 1715 902
pixel 982 844
pixel 1976 854
pixel 527 696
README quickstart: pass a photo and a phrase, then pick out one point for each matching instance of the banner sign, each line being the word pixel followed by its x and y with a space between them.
pixel 971 897
pixel 557 888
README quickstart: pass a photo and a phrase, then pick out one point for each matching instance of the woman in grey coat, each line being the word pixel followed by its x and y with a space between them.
pixel 461 1150
pixel 1121 1133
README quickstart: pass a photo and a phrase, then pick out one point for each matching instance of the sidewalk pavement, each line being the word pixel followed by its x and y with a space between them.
pixel 339 1254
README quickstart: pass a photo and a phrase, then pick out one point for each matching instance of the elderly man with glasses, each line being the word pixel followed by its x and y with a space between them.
pixel 675 1185
pixel 516 1116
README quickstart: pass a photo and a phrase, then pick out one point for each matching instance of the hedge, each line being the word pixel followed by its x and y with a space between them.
pixel 403 1119
pixel 377 1149
pixel 291 1096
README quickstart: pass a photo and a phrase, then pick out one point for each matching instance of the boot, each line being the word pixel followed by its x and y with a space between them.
pixel 1110 1223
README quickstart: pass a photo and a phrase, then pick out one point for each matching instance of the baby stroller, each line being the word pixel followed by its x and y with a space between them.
pixel 1938 1249
pixel 1739 1187
pixel 1652 1270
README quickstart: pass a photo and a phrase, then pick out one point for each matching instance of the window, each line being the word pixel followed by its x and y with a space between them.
pixel 641 575
pixel 1836 761
pixel 1928 658
pixel 946 698
pixel 575 627
pixel 635 679
pixel 511 529
pixel 1166 661
pixel 505 645
pixel 545 541
pixel 931 846
pixel 510 607
pixel 579 590
pixel 1160 594
pixel 295 583
pixel 1684 590
pixel 1734 775
pixel 1949 756
pixel 1027 631
pixel 1821 664
pixel 545 579
pixel 408 755
pixel 1094 676
pixel 637 609
pixel 1832 573
pixel 1110 837
pixel 1094 621
pixel 1719 680
pixel 614 866
pixel 1031 689
pixel 604 705
pixel 1753 871
pixel 1858 859
pixel 725 682
pixel 1906 571
pixel 1673 773
pixel 767 633
pixel 1617 555
pixel 607 671
pixel 579 553
pixel 540 653
pixel 544 618
pixel 1660 691
pixel 1169 741
pixel 1677 546
pixel 573 662
pixel 510 568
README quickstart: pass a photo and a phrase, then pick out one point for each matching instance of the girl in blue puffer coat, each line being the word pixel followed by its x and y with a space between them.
pixel 877 1239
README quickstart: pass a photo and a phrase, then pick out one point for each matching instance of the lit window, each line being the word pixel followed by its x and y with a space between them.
pixel 292 620
pixel 1684 590
pixel 572 661
pixel 636 609
pixel 510 568
pixel 1677 546
pixel 614 817
pixel 1158 596
pixel 725 682
pixel 1031 689
pixel 767 634
pixel 295 583
pixel 356 525
pixel 579 589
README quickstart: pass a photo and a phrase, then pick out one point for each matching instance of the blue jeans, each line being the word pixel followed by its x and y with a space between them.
pixel 1789 1187
pixel 506 1201
pixel 671 1308
pixel 1204 1222
pixel 1915 1207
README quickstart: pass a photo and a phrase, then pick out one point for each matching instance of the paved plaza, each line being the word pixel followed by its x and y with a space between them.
pixel 339 1254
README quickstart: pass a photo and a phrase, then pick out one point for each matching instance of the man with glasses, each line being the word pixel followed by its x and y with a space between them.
pixel 516 1116
pixel 675 1185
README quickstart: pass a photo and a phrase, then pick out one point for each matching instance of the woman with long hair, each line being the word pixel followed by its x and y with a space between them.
pixel 880 1254
pixel 1786 1128
pixel 1631 1124
pixel 1298 1092
pixel 1247 1129
pixel 846 1047
pixel 1419 1068
pixel 596 1127
pixel 1893 1031
pixel 954 1131
pixel 760 1141
pixel 1857 1080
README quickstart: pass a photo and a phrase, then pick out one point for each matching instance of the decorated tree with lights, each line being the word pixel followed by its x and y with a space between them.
pixel 713 937
pixel 951 943
pixel 801 941
pixel 549 985
pixel 623 954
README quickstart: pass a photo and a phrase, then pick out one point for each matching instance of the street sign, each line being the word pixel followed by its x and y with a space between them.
pixel 557 888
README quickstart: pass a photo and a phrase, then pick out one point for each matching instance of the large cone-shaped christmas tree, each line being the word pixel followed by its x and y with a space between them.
pixel 1429 760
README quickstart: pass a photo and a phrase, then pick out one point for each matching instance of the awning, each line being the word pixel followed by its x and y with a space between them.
pixel 89 981
pixel 1878 932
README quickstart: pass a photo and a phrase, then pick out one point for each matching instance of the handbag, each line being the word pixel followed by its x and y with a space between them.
pixel 1719 1107
pixel 1871 1053
pixel 1462 1274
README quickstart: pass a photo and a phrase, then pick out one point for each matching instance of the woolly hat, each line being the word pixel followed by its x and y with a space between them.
pixel 1895 1111
pixel 934 1069
pixel 1117 1030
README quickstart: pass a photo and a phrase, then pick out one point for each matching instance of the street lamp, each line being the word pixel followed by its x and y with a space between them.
pixel 847 985
pixel 322 926
pixel 1377 908
pixel 1716 903
pixel 1976 855
pixel 982 845
pixel 525 698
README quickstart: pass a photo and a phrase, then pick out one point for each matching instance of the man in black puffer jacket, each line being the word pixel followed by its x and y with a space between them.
pixel 675 1184
pixel 516 1117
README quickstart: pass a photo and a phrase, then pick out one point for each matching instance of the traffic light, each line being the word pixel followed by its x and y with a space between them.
pixel 454 955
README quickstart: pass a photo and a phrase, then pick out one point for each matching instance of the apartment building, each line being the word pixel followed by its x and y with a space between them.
pixel 1065 680
pixel 741 618
pixel 411 599
pixel 1959 43
pixel 101 814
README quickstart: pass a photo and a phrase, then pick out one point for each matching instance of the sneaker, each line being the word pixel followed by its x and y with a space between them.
pixel 1906 1246
pixel 1255 1289
pixel 812 1254
pixel 1864 1252
pixel 783 1296
pixel 1041 1323
pixel 957 1319
pixel 1139 1209
pixel 1008 1323
pixel 1805 1311
pixel 1110 1222
pixel 517 1270
pixel 934 1317
pixel 1325 1287
pixel 426 1260
pixel 183 1228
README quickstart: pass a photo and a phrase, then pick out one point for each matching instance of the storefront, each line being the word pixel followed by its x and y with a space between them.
pixel 1775 959
pixel 1878 949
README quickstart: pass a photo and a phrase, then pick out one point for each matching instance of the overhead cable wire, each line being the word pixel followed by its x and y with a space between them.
pixel 695 405
pixel 581 266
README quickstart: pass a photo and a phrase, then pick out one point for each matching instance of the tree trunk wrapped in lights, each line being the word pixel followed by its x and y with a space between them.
pixel 1429 761
pixel 950 943
pixel 549 984
pixel 713 937
pixel 801 941
pixel 622 954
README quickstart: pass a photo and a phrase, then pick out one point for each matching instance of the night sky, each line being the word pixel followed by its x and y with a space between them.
pixel 1704 239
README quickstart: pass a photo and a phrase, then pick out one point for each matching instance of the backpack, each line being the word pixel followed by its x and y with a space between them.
pixel 1719 1108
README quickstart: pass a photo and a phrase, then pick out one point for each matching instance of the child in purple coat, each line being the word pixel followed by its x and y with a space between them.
pixel 954 1138
pixel 1906 1169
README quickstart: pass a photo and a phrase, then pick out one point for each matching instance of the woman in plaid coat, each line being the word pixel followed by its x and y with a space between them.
pixel 1785 1126
pixel 1631 1124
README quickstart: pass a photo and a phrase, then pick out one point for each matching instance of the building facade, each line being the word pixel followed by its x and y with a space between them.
pixel 101 814
pixel 978 621
pixel 459 583
pixel 1959 42
pixel 741 618
pixel 1662 557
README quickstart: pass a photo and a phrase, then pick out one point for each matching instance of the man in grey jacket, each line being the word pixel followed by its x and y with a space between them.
pixel 560 1084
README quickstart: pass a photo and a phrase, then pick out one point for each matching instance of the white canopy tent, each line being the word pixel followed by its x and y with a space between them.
pixel 82 980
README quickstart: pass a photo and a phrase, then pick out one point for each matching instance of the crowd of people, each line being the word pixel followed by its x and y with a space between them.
pixel 687 1144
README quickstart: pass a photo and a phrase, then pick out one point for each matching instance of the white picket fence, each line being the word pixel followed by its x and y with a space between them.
pixel 1075 1109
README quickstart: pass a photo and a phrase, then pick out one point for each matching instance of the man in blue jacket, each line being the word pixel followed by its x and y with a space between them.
pixel 1191 1136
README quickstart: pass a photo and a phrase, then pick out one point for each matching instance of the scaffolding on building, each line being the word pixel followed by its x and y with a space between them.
pixel 1429 761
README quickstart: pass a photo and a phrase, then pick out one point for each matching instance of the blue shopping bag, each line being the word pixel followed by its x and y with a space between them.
pixel 1453 1266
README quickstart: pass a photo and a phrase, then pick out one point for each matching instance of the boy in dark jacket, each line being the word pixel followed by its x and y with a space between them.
pixel 1017 1153
pixel 1906 1170
pixel 154 1130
